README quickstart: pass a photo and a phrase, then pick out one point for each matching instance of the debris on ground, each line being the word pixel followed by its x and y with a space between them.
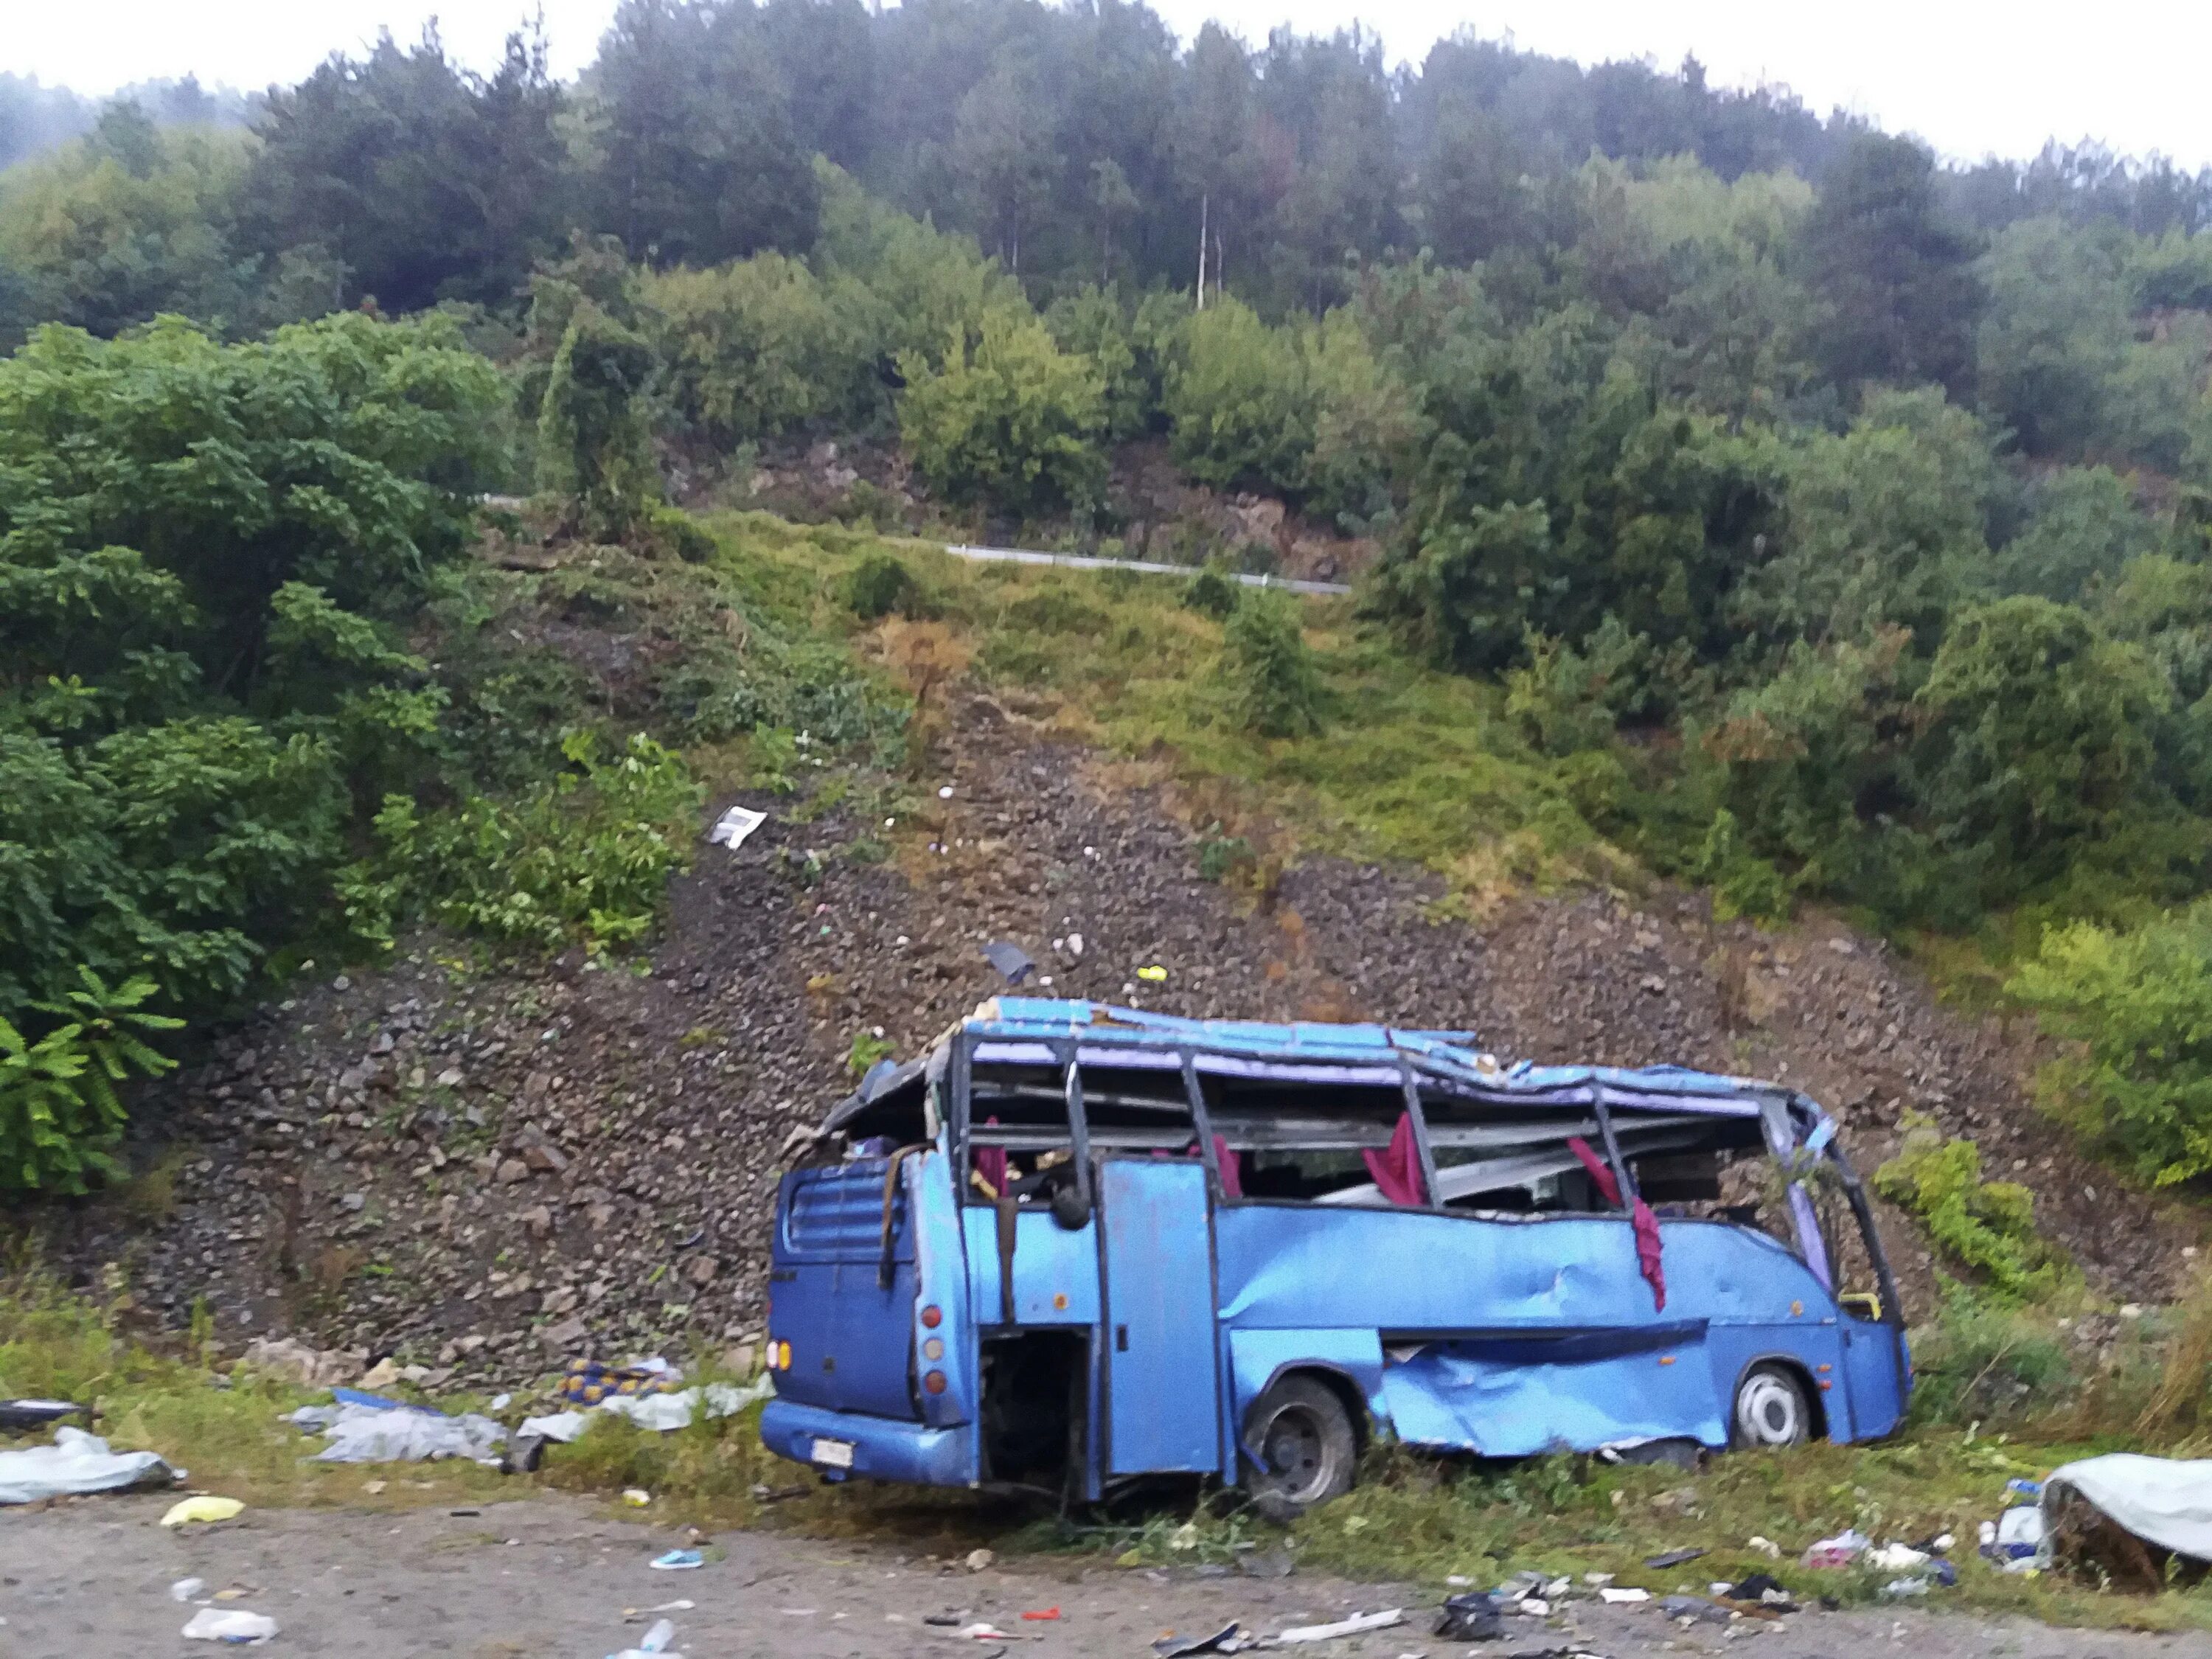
pixel 370 1428
pixel 2124 1515
pixel 232 1625
pixel 1472 1617
pixel 203 1510
pixel 1352 1627
pixel 1010 959
pixel 730 829
pixel 1765 1546
pixel 1761 1590
pixel 1841 1550
pixel 1673 1558
pixel 17 1414
pixel 979 1559
pixel 1617 1597
pixel 2014 1539
pixel 1229 1638
pixel 1695 1609
pixel 76 1462
pixel 662 1413
pixel 676 1561
pixel 187 1589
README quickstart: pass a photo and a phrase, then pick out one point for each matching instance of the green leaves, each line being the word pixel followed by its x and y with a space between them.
pixel 1988 1225
pixel 59 1111
pixel 1009 420
pixel 585 858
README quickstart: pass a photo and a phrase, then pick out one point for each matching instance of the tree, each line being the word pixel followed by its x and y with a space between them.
pixel 1008 420
pixel 690 152
pixel 594 446
pixel 1273 679
pixel 1894 270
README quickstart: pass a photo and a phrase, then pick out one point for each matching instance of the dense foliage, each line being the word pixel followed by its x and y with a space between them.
pixel 1837 520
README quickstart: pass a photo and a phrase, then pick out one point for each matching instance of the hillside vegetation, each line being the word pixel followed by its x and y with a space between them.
pixel 1739 496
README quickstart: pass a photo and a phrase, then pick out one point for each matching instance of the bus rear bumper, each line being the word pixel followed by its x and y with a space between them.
pixel 879 1448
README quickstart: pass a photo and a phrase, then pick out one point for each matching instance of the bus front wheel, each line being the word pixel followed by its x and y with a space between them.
pixel 1299 1446
pixel 1772 1410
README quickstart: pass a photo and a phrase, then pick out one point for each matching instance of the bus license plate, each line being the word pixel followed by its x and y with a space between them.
pixel 834 1454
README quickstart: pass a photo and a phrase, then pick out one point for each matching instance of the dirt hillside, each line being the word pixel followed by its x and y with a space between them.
pixel 485 1171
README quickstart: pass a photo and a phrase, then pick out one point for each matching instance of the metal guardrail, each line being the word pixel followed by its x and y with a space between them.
pixel 1080 561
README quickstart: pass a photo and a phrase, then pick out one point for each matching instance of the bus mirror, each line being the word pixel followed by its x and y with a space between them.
pixel 1071 1206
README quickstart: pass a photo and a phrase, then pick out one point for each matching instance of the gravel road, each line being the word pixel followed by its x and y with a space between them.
pixel 551 1579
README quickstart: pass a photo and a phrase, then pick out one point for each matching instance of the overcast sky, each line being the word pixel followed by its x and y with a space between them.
pixel 1972 77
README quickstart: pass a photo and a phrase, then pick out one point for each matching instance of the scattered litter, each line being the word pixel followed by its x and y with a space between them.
pixel 1227 1639
pixel 1617 1597
pixel 1597 1580
pixel 979 1559
pixel 2029 1488
pixel 1672 1558
pixel 636 1497
pixel 1896 1558
pixel 764 1493
pixel 1694 1609
pixel 630 1614
pixel 987 1631
pixel 676 1561
pixel 1471 1618
pixel 1532 1606
pixel 1765 1546
pixel 1760 1588
pixel 187 1589
pixel 1009 959
pixel 945 792
pixel 205 1511
pixel 76 1462
pixel 1043 1615
pixel 2015 1536
pixel 37 1414
pixel 660 1413
pixel 1898 1588
pixel 1841 1550
pixel 369 1428
pixel 1351 1627
pixel 1154 975
pixel 234 1626
pixel 658 1638
pixel 730 829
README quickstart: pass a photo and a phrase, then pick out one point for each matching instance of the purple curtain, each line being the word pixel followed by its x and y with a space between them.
pixel 1608 1188
pixel 991 1161
pixel 1232 1174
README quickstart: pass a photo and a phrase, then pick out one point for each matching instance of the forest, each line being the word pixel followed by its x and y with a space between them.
pixel 1832 520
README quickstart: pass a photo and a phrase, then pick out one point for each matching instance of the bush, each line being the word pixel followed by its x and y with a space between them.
pixel 878 585
pixel 1988 1225
pixel 1986 1360
pixel 1275 681
pixel 1211 593
pixel 1012 422
pixel 2139 1004
pixel 60 1112
pixel 584 860
pixel 594 446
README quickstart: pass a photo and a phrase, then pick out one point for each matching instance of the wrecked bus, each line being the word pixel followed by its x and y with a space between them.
pixel 1075 1245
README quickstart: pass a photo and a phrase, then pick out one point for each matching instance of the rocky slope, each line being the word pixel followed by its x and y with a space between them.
pixel 486 1170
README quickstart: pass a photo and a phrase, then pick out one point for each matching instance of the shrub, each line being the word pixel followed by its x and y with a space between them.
pixel 594 446
pixel 585 858
pixel 878 585
pixel 1237 401
pixel 1211 593
pixel 755 348
pixel 1984 1360
pixel 2139 1004
pixel 60 1112
pixel 1988 1225
pixel 1275 679
pixel 1012 422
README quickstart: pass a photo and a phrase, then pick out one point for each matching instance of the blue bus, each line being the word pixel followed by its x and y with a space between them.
pixel 1077 1245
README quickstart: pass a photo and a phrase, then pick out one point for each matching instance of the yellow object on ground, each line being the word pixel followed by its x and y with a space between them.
pixel 210 1509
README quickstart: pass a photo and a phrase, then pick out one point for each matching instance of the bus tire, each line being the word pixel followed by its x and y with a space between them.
pixel 1300 1449
pixel 1772 1410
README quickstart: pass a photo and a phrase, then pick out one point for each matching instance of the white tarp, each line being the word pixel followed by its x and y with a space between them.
pixel 658 1412
pixel 2163 1500
pixel 399 1434
pixel 76 1462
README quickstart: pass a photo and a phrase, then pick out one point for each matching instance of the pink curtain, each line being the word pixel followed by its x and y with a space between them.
pixel 991 1161
pixel 1647 1252
pixel 1397 1169
pixel 1608 1188
pixel 1232 1174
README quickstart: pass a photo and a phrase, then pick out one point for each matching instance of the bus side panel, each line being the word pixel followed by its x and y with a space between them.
pixel 851 1335
pixel 1414 1277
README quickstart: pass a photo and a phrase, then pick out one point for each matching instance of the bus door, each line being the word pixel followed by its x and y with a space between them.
pixel 1163 1405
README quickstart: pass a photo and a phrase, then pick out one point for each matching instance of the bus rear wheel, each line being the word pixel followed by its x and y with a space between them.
pixel 1772 1410
pixel 1304 1445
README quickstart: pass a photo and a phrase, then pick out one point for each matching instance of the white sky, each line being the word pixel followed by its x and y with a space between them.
pixel 1972 77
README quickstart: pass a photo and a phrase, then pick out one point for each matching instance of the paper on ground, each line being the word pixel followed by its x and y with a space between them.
pixel 730 829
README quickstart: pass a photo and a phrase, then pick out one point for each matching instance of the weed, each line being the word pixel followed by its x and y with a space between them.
pixel 868 1046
